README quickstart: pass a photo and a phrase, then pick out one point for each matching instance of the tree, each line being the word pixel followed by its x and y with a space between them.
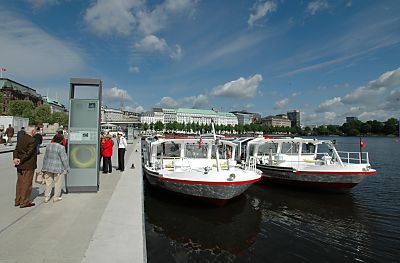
pixel 20 108
pixel 42 114
pixel 159 126
pixel 390 126
pixel 60 117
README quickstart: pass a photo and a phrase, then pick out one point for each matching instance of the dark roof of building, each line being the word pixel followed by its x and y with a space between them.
pixel 8 83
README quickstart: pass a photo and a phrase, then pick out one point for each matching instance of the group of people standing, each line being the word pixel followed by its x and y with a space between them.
pixel 55 163
pixel 106 151
pixel 55 166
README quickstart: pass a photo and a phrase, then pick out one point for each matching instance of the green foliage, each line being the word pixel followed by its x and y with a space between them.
pixel 60 118
pixel 22 108
pixel 159 126
pixel 42 114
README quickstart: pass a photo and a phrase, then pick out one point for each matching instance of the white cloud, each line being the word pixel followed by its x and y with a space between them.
pixel 261 10
pixel 152 43
pixel 240 88
pixel 134 69
pixel 379 100
pixel 117 94
pixel 28 51
pixel 113 17
pixel 135 108
pixel 186 102
pixel 176 53
pixel 316 6
pixel 281 104
pixel 329 105
pixel 124 17
pixel 37 4
pixel 329 117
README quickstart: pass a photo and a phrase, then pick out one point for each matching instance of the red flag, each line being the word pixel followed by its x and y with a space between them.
pixel 362 144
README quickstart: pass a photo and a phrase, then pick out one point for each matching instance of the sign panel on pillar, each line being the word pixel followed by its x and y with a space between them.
pixel 84 139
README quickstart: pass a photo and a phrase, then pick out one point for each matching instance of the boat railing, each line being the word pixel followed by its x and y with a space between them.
pixel 354 157
pixel 251 164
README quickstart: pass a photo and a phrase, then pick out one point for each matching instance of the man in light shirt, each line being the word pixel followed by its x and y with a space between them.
pixel 122 144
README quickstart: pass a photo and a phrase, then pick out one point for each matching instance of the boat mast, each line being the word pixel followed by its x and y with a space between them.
pixel 216 145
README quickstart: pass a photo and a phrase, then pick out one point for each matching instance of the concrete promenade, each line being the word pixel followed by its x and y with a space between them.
pixel 107 226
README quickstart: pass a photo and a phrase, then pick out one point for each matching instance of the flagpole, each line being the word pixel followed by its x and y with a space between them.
pixel 360 150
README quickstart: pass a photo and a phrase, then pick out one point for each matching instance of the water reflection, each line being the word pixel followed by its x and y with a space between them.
pixel 311 225
pixel 198 231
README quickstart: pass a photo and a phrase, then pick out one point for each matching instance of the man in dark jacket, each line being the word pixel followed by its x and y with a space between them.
pixel 25 160
pixel 10 134
pixel 20 133
pixel 39 140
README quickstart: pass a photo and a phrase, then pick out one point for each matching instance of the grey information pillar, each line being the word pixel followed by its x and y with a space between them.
pixel 84 139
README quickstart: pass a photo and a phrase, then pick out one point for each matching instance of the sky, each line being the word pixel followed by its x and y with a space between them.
pixel 328 59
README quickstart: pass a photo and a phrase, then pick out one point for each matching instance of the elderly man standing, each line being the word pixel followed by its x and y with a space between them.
pixel 25 160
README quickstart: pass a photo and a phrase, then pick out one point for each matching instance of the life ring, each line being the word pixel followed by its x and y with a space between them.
pixel 91 161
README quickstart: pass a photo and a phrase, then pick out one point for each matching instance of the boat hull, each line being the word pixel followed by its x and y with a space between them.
pixel 215 192
pixel 313 179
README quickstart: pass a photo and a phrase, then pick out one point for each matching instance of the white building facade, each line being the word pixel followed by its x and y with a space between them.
pixel 183 115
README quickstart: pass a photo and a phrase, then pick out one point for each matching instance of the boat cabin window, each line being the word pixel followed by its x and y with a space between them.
pixel 194 150
pixel 172 149
pixel 290 148
pixel 224 151
pixel 266 148
pixel 308 148
pixel 251 150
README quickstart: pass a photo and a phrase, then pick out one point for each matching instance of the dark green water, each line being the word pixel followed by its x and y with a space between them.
pixel 276 224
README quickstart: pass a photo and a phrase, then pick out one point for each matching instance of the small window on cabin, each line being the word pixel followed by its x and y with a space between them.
pixel 195 150
pixel 267 148
pixel 221 151
pixel 308 148
pixel 172 149
pixel 290 148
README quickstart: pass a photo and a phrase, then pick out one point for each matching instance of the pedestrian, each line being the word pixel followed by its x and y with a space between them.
pixel 55 167
pixel 39 140
pixel 106 152
pixel 60 136
pixel 10 134
pixel 121 142
pixel 20 133
pixel 102 139
pixel 25 160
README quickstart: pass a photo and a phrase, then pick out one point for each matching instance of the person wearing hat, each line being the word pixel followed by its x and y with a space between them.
pixel 122 144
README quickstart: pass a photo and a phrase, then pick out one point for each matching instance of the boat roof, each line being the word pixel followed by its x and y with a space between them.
pixel 189 140
pixel 260 140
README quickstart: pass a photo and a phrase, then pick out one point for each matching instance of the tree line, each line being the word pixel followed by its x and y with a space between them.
pixel 37 115
pixel 354 128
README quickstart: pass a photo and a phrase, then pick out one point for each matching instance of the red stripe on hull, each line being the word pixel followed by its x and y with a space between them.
pixel 315 185
pixel 207 182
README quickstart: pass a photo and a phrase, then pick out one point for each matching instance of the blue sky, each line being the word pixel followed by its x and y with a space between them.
pixel 329 59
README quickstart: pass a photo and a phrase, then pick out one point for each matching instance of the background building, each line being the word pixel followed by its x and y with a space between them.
pixel 183 115
pixel 54 105
pixel 351 119
pixel 246 117
pixel 13 90
pixel 294 117
pixel 276 121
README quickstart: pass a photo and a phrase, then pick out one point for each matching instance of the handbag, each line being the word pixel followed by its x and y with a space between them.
pixel 39 177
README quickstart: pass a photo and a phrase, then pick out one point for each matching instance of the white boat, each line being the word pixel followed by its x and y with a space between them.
pixel 308 163
pixel 199 167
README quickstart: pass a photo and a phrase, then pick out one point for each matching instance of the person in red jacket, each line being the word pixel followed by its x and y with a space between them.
pixel 106 152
